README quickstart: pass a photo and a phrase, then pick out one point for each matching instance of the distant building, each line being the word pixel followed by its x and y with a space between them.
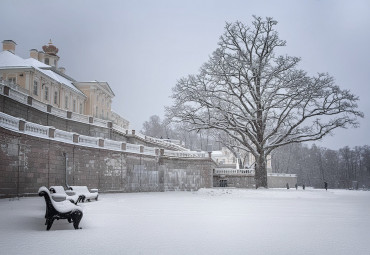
pixel 225 158
pixel 40 77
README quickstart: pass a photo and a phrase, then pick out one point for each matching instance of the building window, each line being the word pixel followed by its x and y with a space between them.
pixel 55 97
pixel 80 108
pixel 35 88
pixel 12 80
pixel 102 114
pixel 46 61
pixel 74 105
pixel 46 93
pixel 96 111
pixel 55 62
pixel 66 102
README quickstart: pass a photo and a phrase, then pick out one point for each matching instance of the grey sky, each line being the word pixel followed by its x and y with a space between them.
pixel 143 47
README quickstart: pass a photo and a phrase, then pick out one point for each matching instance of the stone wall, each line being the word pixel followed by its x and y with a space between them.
pixel 281 181
pixel 237 181
pixel 28 162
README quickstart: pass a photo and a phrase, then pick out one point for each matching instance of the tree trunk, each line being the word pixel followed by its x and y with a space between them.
pixel 260 176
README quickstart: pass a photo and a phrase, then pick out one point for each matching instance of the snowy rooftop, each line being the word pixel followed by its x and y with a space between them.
pixel 210 221
pixel 8 59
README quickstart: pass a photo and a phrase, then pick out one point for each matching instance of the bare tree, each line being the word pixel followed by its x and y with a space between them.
pixel 261 99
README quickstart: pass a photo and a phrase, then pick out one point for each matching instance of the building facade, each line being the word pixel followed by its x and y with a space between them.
pixel 40 77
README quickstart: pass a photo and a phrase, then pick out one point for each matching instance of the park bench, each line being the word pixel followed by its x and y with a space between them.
pixel 60 210
pixel 73 197
pixel 85 193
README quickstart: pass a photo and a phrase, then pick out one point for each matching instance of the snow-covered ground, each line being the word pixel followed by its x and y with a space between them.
pixel 210 221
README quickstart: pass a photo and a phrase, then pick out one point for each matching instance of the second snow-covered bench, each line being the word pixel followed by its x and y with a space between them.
pixel 60 190
pixel 85 193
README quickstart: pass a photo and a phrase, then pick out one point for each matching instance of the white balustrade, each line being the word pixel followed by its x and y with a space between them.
pixel 36 129
pixel 59 112
pixel 133 147
pixel 110 144
pixel 39 105
pixel 63 135
pixel 100 122
pixel 149 150
pixel 80 117
pixel 281 175
pixel 8 121
pixel 185 154
pixel 140 135
pixel 18 96
pixel 119 129
pixel 230 171
pixel 88 140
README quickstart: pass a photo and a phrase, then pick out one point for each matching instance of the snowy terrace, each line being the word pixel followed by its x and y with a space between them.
pixel 32 129
pixel 210 221
pixel 19 94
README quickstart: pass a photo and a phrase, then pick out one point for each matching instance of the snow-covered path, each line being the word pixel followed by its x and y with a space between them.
pixel 210 221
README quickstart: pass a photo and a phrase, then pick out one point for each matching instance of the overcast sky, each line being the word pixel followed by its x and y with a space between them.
pixel 141 48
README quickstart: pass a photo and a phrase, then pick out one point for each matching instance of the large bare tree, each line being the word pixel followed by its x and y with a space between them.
pixel 260 98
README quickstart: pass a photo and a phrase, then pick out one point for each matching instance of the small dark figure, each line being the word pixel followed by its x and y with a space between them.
pixel 287 185
pixel 326 186
pixel 304 187
pixel 296 186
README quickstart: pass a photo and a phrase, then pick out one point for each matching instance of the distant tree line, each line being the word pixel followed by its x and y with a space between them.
pixel 343 168
pixel 197 140
pixel 313 164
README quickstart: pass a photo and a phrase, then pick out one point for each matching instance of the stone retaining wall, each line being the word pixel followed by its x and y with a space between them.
pixel 28 162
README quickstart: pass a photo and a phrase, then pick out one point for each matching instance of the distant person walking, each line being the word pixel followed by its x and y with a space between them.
pixel 296 186
pixel 326 185
pixel 287 185
pixel 304 187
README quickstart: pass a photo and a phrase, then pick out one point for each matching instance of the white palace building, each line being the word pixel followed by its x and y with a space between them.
pixel 40 77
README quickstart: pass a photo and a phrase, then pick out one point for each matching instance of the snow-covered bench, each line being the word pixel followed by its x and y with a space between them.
pixel 85 193
pixel 73 197
pixel 60 210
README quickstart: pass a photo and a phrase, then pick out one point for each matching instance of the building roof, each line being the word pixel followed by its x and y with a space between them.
pixel 9 60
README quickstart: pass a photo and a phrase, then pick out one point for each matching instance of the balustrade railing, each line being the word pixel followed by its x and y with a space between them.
pixel 229 171
pixel 149 150
pixel 281 175
pixel 110 144
pixel 185 154
pixel 59 112
pixel 140 135
pixel 88 140
pixel 9 121
pixel 36 129
pixel 18 96
pixel 119 129
pixel 14 86
pixel 100 122
pixel 39 105
pixel 63 135
pixel 133 147
pixel 80 117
